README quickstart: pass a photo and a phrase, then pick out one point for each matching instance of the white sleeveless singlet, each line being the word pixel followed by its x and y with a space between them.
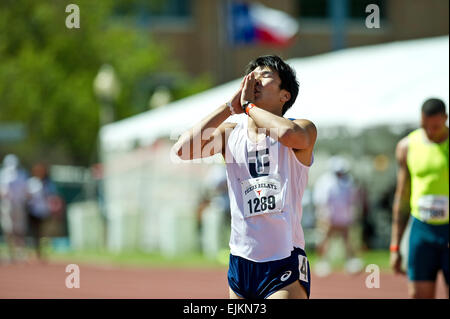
pixel 266 183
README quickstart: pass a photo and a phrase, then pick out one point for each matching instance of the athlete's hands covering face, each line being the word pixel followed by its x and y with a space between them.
pixel 236 99
pixel 248 91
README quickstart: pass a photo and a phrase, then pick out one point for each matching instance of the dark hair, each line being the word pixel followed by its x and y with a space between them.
pixel 433 107
pixel 285 72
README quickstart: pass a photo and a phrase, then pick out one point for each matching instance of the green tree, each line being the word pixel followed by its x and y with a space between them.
pixel 47 73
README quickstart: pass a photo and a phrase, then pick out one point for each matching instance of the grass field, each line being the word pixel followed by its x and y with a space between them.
pixel 197 260
pixel 143 259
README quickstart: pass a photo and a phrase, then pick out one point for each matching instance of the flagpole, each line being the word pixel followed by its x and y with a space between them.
pixel 226 59
pixel 338 11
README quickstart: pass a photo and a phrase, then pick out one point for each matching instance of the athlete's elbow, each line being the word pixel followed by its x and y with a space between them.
pixel 295 138
pixel 184 153
pixel 182 148
pixel 177 150
pixel 180 153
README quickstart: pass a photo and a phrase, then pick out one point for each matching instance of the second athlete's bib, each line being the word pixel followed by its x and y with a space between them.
pixel 433 208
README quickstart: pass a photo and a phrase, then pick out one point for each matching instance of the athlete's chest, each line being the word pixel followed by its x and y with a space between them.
pixel 428 160
pixel 263 158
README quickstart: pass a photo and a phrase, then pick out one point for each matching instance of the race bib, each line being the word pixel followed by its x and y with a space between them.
pixel 433 208
pixel 262 195
pixel 303 268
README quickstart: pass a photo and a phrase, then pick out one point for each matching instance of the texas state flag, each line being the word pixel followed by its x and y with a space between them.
pixel 254 23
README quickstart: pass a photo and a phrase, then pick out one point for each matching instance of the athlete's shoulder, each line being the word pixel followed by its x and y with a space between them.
pixel 310 128
pixel 404 142
pixel 415 132
pixel 301 121
pixel 305 123
pixel 401 151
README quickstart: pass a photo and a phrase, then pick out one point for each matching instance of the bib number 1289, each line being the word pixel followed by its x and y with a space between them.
pixel 258 205
pixel 262 195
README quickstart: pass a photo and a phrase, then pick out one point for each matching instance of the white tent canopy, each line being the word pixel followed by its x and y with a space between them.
pixel 358 87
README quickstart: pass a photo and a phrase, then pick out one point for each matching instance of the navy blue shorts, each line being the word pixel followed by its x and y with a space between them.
pixel 428 251
pixel 258 280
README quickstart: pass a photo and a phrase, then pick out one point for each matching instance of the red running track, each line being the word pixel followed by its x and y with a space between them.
pixel 48 281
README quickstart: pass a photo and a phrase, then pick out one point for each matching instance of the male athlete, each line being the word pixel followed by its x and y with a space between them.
pixel 267 161
pixel 422 189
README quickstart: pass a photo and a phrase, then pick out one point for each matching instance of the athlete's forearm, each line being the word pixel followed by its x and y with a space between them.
pixel 200 133
pixel 282 129
pixel 400 213
pixel 400 207
pixel 271 122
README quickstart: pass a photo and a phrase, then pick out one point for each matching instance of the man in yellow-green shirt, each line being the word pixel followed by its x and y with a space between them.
pixel 423 190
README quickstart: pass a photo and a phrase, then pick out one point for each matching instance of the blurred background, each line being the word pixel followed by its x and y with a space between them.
pixel 100 105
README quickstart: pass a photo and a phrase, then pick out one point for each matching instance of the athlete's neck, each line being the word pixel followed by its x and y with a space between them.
pixel 440 138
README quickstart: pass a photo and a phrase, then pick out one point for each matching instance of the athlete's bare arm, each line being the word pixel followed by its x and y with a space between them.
pixel 400 209
pixel 207 137
pixel 297 134
pixel 191 143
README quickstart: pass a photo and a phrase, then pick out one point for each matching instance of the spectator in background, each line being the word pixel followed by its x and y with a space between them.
pixel 42 202
pixel 335 201
pixel 215 192
pixel 368 228
pixel 13 217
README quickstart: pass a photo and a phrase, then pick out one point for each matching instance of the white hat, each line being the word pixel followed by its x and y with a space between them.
pixel 11 160
pixel 338 164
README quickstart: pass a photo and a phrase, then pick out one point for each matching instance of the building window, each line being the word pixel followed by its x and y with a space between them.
pixel 313 9
pixel 319 9
pixel 151 12
pixel 357 8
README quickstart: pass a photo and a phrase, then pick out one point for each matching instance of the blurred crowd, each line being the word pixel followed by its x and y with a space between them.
pixel 27 200
pixel 337 200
